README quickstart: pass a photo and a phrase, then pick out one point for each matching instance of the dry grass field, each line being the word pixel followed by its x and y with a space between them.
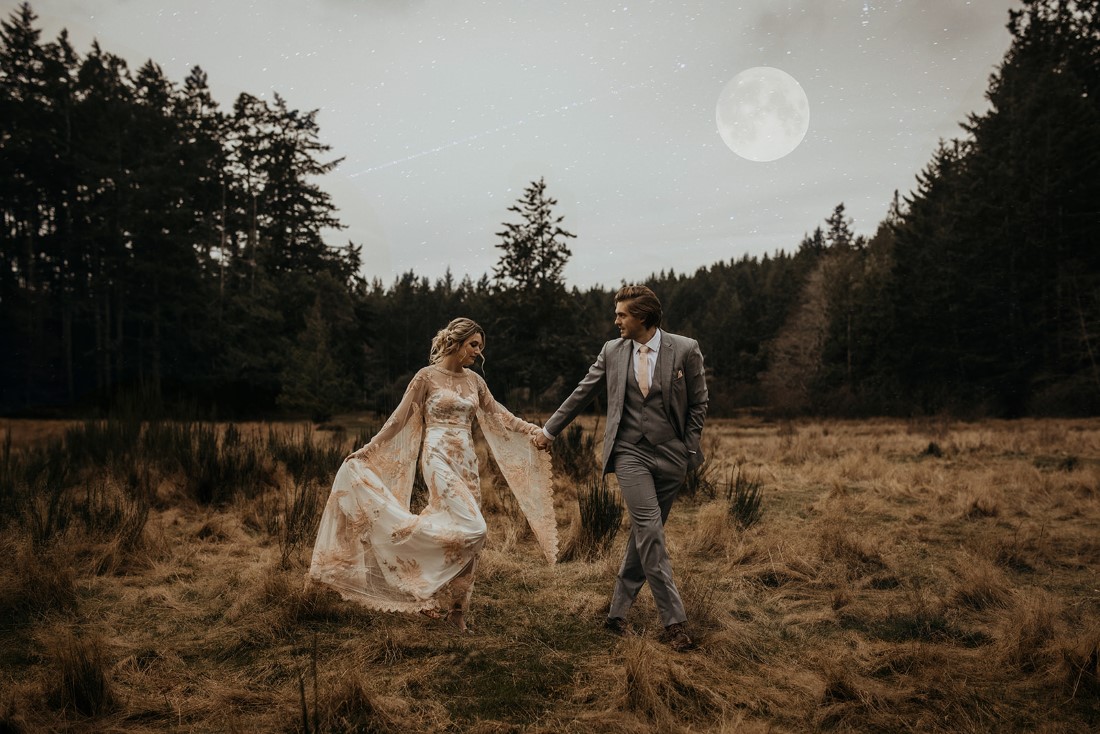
pixel 925 576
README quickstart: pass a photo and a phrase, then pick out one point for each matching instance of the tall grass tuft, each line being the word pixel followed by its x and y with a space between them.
pixel 30 473
pixel 711 533
pixel 601 513
pixel 743 497
pixel 216 470
pixel 35 581
pixel 699 484
pixel 1029 631
pixel 32 489
pixel 107 443
pixel 10 472
pixel 664 691
pixel 300 516
pixel 346 708
pixel 349 708
pixel 1081 666
pixel 980 585
pixel 574 454
pixel 82 683
pixel 307 459
pixel 46 512
pixel 643 681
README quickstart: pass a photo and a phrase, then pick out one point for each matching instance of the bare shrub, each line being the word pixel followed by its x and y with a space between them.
pixel 35 580
pixel 743 497
pixel 33 488
pixel 107 443
pixel 82 683
pixel 302 507
pixel 216 468
pixel 308 459
pixel 574 455
pixel 114 512
pixel 702 601
pixel 496 497
pixel 700 482
pixel 601 514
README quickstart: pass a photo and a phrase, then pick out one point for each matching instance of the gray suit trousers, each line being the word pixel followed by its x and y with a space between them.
pixel 649 477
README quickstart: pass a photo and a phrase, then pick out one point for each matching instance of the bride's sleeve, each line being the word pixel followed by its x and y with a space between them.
pixel 489 406
pixel 391 454
pixel 406 411
pixel 525 468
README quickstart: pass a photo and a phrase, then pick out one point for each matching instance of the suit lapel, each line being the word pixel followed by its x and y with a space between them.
pixel 665 360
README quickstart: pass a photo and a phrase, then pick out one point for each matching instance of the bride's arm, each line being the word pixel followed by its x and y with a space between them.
pixel 414 396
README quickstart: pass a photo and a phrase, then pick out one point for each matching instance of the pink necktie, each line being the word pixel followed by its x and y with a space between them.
pixel 643 370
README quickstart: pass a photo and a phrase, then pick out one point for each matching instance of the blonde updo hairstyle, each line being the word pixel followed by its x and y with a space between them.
pixel 450 339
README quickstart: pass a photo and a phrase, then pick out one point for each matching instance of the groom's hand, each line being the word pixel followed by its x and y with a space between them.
pixel 542 443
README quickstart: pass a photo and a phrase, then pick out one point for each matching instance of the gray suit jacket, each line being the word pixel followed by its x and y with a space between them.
pixel 680 373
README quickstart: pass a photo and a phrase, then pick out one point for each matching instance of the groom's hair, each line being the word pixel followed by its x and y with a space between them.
pixel 642 304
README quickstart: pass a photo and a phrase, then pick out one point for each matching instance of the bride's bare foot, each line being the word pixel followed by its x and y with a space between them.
pixel 457 618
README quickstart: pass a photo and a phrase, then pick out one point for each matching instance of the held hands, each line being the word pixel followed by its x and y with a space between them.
pixel 542 443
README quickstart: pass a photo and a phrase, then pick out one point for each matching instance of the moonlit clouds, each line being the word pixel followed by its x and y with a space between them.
pixel 445 110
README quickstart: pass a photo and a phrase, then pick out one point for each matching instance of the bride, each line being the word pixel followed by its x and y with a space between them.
pixel 371 549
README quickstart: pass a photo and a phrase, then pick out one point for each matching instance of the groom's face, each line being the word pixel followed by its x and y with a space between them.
pixel 630 326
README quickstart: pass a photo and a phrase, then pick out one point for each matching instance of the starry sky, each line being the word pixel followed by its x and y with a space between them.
pixel 444 110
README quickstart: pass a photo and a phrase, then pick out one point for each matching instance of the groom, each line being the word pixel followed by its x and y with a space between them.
pixel 656 403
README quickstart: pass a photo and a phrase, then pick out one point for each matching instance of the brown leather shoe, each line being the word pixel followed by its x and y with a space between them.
pixel 616 626
pixel 677 638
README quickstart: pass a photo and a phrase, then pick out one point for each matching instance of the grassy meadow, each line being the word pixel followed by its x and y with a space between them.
pixel 896 576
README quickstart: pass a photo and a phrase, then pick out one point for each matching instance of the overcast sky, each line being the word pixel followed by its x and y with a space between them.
pixel 444 110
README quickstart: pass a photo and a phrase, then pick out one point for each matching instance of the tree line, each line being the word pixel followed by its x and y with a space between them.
pixel 156 245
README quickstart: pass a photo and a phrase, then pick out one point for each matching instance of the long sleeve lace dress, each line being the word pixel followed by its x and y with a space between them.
pixel 371 549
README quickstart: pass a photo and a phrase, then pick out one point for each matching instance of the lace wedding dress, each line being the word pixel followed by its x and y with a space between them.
pixel 371 549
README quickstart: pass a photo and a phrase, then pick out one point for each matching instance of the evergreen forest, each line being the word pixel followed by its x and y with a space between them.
pixel 159 249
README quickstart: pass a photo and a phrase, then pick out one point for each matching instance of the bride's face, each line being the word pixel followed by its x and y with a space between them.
pixel 471 349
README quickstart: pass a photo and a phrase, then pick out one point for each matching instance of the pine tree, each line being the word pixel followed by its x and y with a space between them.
pixel 533 313
pixel 534 249
pixel 313 382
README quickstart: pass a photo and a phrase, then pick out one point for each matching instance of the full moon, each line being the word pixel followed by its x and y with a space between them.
pixel 763 114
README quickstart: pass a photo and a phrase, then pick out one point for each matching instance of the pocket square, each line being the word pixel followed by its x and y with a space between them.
pixel 679 374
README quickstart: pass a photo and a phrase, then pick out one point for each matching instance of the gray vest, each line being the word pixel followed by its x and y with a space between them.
pixel 644 416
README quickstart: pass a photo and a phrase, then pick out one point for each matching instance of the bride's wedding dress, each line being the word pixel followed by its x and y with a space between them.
pixel 371 549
